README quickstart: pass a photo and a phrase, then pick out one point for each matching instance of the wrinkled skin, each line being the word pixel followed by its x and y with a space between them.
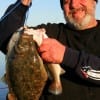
pixel 26 74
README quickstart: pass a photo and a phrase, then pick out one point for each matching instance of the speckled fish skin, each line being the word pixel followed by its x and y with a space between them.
pixel 26 74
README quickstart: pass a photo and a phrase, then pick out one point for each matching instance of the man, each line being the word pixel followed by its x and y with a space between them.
pixel 12 21
pixel 74 45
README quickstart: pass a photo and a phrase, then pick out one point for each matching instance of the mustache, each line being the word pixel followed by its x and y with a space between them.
pixel 73 10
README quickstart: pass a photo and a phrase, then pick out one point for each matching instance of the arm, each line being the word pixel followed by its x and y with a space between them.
pixel 87 66
pixel 11 23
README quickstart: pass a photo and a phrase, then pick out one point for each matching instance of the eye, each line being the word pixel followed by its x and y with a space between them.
pixel 66 2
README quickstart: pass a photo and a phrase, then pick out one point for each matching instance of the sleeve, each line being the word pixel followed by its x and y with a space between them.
pixel 87 66
pixel 11 23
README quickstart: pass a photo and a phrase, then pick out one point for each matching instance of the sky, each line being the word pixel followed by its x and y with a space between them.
pixel 41 11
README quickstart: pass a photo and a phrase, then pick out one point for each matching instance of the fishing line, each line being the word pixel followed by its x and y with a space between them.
pixel 27 15
pixel 26 18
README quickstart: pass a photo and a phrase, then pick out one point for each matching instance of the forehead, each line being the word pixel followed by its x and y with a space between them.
pixel 76 1
pixel 79 0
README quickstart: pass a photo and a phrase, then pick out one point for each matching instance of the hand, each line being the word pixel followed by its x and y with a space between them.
pixel 26 2
pixel 52 51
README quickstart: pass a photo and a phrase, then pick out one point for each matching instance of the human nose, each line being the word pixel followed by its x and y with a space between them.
pixel 74 3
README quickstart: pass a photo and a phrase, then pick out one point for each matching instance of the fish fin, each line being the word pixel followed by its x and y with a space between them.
pixel 4 79
pixel 62 71
pixel 11 96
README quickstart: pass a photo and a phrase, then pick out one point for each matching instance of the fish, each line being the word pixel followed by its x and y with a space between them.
pixel 54 70
pixel 26 74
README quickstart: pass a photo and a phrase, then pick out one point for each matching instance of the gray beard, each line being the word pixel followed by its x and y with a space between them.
pixel 78 26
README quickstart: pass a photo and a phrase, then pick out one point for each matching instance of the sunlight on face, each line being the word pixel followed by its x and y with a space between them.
pixel 76 24
pixel 79 14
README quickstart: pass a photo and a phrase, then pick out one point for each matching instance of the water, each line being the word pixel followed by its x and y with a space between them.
pixel 3 91
pixel 3 86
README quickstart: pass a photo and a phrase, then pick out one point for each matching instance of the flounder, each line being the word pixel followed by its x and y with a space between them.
pixel 25 71
pixel 54 70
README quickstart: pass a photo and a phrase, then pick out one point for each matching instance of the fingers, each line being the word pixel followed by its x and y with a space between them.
pixel 52 51
pixel 46 57
pixel 46 50
pixel 26 2
pixel 45 46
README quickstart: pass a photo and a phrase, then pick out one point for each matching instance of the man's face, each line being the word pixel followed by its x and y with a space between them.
pixel 79 12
